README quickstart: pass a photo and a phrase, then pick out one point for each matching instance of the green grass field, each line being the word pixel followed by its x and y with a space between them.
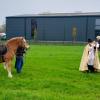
pixel 50 72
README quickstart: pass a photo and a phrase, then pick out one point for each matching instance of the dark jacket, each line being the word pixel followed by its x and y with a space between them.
pixel 20 51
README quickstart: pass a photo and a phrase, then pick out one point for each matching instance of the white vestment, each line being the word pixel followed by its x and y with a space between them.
pixel 94 57
pixel 91 54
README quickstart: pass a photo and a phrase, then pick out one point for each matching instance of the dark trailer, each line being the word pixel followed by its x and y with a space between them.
pixel 54 26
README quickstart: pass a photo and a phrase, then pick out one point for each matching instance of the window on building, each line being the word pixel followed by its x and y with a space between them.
pixel 97 27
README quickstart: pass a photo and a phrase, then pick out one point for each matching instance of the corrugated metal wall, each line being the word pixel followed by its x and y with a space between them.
pixel 18 27
pixel 80 24
pixel 61 29
pixel 53 28
pixel 15 27
pixel 28 28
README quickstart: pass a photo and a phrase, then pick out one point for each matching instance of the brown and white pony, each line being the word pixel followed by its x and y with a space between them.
pixel 12 46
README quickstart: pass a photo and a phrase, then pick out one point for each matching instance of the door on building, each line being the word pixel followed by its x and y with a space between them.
pixel 33 29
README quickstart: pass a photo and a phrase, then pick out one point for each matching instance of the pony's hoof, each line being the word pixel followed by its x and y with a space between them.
pixel 10 76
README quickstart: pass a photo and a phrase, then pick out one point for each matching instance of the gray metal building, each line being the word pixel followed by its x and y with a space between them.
pixel 54 26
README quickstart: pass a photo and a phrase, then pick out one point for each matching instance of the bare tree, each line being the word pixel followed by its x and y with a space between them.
pixel 3 28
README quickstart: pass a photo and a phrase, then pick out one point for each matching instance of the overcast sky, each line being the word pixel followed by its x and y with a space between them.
pixel 17 7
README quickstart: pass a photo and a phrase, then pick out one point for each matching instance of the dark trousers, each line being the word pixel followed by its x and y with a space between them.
pixel 19 63
pixel 91 68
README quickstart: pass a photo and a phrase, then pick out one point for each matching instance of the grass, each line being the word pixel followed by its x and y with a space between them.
pixel 50 72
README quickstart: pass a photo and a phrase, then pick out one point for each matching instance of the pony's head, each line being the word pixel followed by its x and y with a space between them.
pixel 16 42
pixel 23 43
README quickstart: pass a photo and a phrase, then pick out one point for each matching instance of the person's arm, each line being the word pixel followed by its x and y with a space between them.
pixel 97 45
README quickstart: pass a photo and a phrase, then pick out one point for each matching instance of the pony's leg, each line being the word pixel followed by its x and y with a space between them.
pixel 9 69
pixel 4 65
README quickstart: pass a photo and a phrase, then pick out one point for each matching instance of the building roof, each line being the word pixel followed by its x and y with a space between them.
pixel 58 14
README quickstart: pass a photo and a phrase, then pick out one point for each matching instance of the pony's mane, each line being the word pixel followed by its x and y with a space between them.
pixel 14 39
